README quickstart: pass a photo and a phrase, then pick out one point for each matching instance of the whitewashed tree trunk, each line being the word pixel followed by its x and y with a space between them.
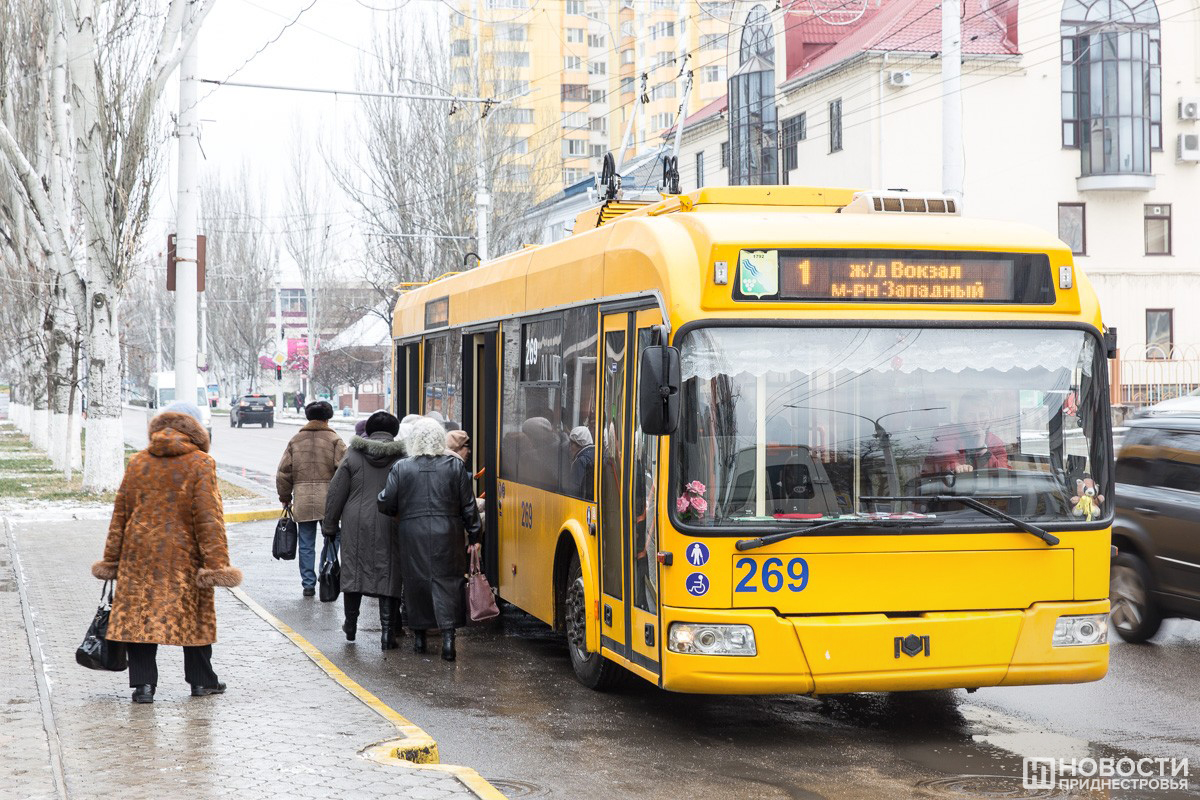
pixel 39 426
pixel 104 465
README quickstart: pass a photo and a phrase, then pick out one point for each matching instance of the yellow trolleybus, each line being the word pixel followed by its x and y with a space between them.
pixel 786 440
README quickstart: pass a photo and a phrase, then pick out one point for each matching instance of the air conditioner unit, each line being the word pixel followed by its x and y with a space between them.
pixel 1188 148
pixel 1189 108
pixel 898 78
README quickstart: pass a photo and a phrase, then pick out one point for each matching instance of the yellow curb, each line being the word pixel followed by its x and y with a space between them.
pixel 415 749
pixel 251 516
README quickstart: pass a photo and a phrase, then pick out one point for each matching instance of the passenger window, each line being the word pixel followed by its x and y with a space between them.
pixel 1181 461
pixel 1136 464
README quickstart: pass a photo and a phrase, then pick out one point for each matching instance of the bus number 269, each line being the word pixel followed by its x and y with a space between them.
pixel 772 578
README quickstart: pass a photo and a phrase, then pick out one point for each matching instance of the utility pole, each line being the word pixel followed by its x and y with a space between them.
pixel 279 348
pixel 482 198
pixel 952 135
pixel 185 239
pixel 157 340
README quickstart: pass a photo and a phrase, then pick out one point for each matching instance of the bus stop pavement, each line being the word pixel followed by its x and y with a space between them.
pixel 290 723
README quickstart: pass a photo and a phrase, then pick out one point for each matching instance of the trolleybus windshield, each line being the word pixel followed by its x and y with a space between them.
pixel 782 424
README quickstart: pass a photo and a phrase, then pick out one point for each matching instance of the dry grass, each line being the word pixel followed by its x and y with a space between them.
pixel 27 474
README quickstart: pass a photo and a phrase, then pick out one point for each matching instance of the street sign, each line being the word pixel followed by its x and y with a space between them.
pixel 279 359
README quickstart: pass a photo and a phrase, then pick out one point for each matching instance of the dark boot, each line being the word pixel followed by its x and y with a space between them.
pixel 387 619
pixel 448 653
pixel 351 601
pixel 143 693
pixel 418 641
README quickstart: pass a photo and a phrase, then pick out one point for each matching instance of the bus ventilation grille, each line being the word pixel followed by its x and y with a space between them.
pixel 901 203
pixel 613 210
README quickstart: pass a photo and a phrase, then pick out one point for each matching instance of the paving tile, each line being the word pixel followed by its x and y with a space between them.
pixel 284 728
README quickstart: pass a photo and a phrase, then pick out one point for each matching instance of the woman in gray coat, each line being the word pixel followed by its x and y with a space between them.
pixel 430 494
pixel 370 549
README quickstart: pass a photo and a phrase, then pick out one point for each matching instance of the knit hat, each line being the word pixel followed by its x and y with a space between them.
pixel 184 407
pixel 360 428
pixel 382 421
pixel 457 440
pixel 581 436
pixel 318 410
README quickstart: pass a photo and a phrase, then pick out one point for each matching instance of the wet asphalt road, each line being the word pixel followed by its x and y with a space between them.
pixel 511 708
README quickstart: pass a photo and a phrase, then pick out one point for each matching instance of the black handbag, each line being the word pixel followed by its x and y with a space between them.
pixel 284 545
pixel 329 578
pixel 97 652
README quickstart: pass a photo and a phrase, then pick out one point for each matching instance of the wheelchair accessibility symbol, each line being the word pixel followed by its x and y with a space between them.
pixel 697 584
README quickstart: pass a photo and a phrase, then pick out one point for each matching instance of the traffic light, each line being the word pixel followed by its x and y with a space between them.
pixel 278 373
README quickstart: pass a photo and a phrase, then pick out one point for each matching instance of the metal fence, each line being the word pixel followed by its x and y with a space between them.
pixel 1149 374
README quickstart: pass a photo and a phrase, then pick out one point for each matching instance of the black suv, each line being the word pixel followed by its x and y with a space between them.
pixel 1156 573
pixel 253 408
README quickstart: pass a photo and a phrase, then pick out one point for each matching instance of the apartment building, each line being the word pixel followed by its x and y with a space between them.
pixel 573 71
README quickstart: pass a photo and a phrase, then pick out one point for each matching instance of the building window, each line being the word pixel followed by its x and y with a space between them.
pixel 724 155
pixel 626 85
pixel 627 56
pixel 575 119
pixel 596 40
pixel 1072 226
pixel 1160 332
pixel 835 125
pixel 700 169
pixel 511 32
pixel 574 6
pixel 573 175
pixel 627 30
pixel 1112 84
pixel 597 68
pixel 712 41
pixel 794 129
pixel 662 90
pixel 575 91
pixel 596 150
pixel 575 35
pixel 664 58
pixel 574 147
pixel 598 124
pixel 572 62
pixel 460 47
pixel 752 123
pixel 1158 230
pixel 660 122
pixel 292 301
pixel 713 74
pixel 512 58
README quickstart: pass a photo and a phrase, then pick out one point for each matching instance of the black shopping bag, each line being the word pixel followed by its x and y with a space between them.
pixel 329 578
pixel 284 545
pixel 97 652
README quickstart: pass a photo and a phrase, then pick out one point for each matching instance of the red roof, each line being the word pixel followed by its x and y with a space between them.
pixel 894 25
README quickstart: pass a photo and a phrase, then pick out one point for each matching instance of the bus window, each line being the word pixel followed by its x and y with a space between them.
pixel 645 530
pixel 612 445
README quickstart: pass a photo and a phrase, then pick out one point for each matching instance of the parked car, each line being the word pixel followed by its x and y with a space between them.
pixel 1156 573
pixel 1187 404
pixel 253 408
pixel 163 386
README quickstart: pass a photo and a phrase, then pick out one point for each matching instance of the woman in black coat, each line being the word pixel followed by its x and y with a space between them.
pixel 368 541
pixel 430 495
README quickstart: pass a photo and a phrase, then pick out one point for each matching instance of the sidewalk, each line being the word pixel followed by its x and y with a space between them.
pixel 285 727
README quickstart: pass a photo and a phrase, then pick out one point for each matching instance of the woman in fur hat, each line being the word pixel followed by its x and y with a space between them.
pixel 166 549
pixel 370 547
pixel 430 495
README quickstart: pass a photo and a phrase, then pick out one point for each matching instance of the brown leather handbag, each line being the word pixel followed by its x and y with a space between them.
pixel 481 602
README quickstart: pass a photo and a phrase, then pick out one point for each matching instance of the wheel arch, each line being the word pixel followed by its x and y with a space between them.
pixel 572 540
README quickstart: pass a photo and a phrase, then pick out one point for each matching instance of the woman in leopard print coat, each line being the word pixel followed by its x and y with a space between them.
pixel 166 549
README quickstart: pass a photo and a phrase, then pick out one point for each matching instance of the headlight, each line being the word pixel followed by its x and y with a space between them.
pixel 711 640
pixel 1076 631
pixel 270 404
pixel 243 404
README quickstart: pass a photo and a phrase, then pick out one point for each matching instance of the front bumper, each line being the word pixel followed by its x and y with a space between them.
pixel 866 653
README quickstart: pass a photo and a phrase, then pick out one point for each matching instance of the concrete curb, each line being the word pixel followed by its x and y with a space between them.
pixel 415 749
pixel 252 516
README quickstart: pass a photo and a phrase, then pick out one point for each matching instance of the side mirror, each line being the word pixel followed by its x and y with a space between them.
pixel 658 390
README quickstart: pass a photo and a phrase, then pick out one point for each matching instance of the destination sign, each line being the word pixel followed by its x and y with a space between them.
pixel 896 277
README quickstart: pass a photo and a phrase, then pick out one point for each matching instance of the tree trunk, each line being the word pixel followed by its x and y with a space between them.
pixel 18 408
pixel 60 376
pixel 39 425
pixel 104 461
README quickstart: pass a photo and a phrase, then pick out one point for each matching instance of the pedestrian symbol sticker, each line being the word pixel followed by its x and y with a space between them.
pixel 697 584
pixel 697 554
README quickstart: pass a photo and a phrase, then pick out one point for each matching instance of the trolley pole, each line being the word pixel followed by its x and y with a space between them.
pixel 952 134
pixel 482 198
pixel 185 239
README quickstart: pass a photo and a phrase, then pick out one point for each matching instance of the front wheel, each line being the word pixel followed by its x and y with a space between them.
pixel 592 669
pixel 239 423
pixel 1133 612
pixel 232 421
pixel 271 424
pixel 264 424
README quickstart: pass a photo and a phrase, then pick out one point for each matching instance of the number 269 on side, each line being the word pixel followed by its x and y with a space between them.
pixel 770 574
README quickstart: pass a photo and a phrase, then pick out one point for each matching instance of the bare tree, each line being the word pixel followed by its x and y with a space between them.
pixel 412 181
pixel 353 366
pixel 242 258
pixel 111 61
pixel 308 238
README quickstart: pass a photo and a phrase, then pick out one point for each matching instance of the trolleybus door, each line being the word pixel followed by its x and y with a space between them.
pixel 627 461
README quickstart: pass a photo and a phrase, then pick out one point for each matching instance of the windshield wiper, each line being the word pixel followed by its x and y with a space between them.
pixel 971 502
pixel 840 522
